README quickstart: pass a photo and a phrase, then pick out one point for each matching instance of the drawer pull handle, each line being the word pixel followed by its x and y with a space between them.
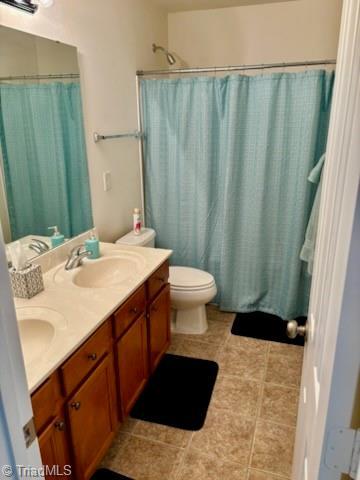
pixel 75 405
pixel 162 279
pixel 134 310
pixel 60 426
pixel 92 356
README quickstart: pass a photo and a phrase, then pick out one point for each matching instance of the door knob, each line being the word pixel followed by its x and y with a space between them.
pixel 293 329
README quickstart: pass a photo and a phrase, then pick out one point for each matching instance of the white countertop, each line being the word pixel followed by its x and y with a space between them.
pixel 82 310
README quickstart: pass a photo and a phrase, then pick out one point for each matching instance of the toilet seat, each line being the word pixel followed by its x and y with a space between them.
pixel 190 279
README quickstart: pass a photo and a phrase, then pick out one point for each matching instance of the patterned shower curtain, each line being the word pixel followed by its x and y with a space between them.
pixel 44 159
pixel 226 167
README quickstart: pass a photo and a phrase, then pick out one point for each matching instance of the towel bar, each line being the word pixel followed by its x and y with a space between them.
pixel 98 137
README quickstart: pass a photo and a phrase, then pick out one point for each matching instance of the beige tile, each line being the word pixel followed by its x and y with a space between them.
pixel 273 448
pixel 128 425
pixel 144 459
pixel 225 435
pixel 216 333
pixel 114 449
pixel 175 343
pixel 247 360
pixel 197 466
pixel 284 369
pixel 279 404
pixel 293 351
pixel 255 475
pixel 235 395
pixel 196 349
pixel 213 313
pixel 251 344
pixel 154 431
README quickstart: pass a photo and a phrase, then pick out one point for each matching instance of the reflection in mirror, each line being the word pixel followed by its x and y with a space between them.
pixel 44 174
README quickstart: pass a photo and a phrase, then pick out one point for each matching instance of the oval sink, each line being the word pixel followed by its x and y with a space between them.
pixel 107 272
pixel 36 337
pixel 38 327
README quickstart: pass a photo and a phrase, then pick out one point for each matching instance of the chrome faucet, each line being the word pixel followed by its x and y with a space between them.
pixel 76 257
pixel 38 246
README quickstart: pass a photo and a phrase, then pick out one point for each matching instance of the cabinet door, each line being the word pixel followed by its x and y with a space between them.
pixel 132 358
pixel 54 449
pixel 159 326
pixel 93 419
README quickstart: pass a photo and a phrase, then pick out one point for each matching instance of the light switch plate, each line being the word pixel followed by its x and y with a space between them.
pixel 107 181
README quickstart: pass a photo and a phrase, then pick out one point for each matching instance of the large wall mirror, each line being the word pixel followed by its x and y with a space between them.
pixel 43 165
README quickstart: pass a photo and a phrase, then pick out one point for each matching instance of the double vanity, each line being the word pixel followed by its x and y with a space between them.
pixel 90 341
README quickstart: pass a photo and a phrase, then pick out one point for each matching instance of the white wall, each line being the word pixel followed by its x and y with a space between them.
pixel 276 32
pixel 114 40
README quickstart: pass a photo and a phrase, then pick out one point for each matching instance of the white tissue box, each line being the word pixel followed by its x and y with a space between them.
pixel 28 282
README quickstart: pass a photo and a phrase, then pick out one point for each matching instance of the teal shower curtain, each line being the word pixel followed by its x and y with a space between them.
pixel 44 159
pixel 226 167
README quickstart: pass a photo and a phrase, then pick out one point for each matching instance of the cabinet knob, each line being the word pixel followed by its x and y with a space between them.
pixel 92 356
pixel 60 426
pixel 134 310
pixel 75 405
pixel 161 279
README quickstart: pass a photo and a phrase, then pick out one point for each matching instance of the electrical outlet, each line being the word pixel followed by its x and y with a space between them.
pixel 107 181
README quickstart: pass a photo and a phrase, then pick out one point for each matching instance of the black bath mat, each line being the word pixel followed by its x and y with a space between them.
pixel 178 394
pixel 264 326
pixel 105 474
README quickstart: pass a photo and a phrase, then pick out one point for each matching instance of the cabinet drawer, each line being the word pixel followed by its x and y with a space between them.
pixel 132 309
pixel 45 401
pixel 157 280
pixel 86 358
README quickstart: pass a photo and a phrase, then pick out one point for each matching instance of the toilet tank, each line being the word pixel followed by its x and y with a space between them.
pixel 146 238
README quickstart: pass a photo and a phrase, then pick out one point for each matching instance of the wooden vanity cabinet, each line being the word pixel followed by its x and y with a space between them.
pixel 132 363
pixel 77 410
pixel 54 448
pixel 159 326
pixel 93 418
pixel 51 427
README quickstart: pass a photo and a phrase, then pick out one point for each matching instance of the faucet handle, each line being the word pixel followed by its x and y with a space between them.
pixel 76 250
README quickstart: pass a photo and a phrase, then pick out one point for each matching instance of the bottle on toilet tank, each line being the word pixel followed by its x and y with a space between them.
pixel 137 221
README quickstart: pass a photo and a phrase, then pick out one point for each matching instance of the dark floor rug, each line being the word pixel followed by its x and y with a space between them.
pixel 264 326
pixel 178 394
pixel 105 474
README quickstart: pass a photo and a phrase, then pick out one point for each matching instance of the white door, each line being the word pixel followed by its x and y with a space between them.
pixel 15 405
pixel 331 359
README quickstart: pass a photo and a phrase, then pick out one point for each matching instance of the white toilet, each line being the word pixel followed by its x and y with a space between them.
pixel 190 289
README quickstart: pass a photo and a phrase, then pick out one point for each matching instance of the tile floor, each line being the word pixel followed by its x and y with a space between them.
pixel 250 426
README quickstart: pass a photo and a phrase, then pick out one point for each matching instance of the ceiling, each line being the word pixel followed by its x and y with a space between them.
pixel 183 5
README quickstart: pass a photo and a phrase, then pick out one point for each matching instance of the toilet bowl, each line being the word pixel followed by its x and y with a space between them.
pixel 190 289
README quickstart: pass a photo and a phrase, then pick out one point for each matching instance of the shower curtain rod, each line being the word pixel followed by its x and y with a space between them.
pixel 142 73
pixel 40 77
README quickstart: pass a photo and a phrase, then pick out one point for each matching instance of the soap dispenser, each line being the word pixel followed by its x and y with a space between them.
pixel 57 238
pixel 92 245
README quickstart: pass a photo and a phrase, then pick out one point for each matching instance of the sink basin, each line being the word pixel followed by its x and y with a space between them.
pixel 36 337
pixel 38 327
pixel 108 271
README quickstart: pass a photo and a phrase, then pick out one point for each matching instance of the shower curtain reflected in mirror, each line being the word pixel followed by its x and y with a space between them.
pixel 44 159
pixel 226 166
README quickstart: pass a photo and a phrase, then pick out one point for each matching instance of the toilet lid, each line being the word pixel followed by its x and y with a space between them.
pixel 192 278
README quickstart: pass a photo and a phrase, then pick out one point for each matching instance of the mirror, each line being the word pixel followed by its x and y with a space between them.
pixel 44 177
